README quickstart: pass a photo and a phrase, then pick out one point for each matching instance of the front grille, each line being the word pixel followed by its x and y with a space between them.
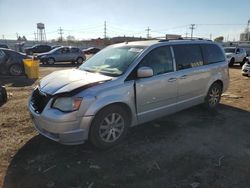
pixel 39 100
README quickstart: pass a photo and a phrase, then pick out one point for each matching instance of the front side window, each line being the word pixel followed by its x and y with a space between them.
pixel 229 50
pixel 212 53
pixel 160 60
pixel 112 61
pixel 188 56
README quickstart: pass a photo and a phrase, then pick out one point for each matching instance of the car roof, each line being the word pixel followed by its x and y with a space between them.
pixel 147 43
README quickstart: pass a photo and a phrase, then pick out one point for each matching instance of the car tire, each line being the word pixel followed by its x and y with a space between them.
pixel 243 62
pixel 213 96
pixel 231 62
pixel 16 70
pixel 109 127
pixel 51 61
pixel 79 60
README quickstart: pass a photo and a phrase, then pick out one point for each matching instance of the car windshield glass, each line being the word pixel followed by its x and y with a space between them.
pixel 55 49
pixel 229 50
pixel 112 61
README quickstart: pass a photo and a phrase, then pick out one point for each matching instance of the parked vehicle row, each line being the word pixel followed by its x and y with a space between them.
pixel 125 85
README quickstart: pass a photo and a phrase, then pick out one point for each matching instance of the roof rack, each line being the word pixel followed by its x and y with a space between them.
pixel 186 38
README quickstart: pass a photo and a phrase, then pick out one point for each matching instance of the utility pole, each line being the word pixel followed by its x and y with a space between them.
pixel 60 32
pixel 211 36
pixel 35 36
pixel 148 30
pixel 105 30
pixel 192 27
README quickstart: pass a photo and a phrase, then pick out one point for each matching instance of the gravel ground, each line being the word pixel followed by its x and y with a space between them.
pixel 192 148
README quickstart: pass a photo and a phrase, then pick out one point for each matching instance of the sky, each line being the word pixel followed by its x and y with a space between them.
pixel 84 19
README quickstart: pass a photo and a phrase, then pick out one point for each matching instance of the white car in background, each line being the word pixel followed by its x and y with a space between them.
pixel 235 55
pixel 246 69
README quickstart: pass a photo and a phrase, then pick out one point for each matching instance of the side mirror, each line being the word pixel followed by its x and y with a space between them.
pixel 145 72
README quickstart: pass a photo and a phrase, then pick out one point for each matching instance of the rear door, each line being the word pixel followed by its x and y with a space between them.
pixel 74 53
pixel 192 75
pixel 3 58
pixel 156 96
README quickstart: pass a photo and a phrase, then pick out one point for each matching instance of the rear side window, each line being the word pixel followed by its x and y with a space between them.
pixel 74 50
pixel 187 56
pixel 212 53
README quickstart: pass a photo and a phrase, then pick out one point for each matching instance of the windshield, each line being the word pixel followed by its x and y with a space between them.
pixel 112 61
pixel 229 50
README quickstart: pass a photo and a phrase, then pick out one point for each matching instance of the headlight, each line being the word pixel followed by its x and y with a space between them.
pixel 67 104
pixel 229 56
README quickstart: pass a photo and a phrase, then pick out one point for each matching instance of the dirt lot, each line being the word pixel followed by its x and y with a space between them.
pixel 192 148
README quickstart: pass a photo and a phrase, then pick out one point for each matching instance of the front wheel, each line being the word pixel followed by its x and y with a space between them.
pixel 109 127
pixel 51 61
pixel 243 62
pixel 213 96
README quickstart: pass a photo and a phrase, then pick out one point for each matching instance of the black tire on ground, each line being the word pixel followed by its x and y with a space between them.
pixel 243 62
pixel 79 60
pixel 213 96
pixel 16 70
pixel 50 61
pixel 231 63
pixel 3 95
pixel 109 127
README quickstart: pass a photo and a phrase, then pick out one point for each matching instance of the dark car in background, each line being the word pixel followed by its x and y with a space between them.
pixel 55 46
pixel 40 48
pixel 4 46
pixel 91 50
pixel 62 54
pixel 11 62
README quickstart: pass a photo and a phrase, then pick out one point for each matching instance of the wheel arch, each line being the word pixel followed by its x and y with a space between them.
pixel 121 104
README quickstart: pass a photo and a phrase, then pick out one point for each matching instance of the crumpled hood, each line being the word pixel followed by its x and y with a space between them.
pixel 68 80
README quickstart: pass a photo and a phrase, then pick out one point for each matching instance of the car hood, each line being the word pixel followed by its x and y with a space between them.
pixel 68 80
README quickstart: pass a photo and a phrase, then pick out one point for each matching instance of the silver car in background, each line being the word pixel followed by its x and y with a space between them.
pixel 62 54
pixel 125 85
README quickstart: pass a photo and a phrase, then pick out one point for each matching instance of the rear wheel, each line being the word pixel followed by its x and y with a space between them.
pixel 16 70
pixel 213 96
pixel 231 63
pixel 109 127
pixel 51 61
pixel 79 60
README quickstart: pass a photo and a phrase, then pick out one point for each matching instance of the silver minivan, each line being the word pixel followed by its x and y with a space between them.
pixel 125 85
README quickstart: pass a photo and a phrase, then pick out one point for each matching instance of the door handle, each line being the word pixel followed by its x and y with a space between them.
pixel 184 77
pixel 172 79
